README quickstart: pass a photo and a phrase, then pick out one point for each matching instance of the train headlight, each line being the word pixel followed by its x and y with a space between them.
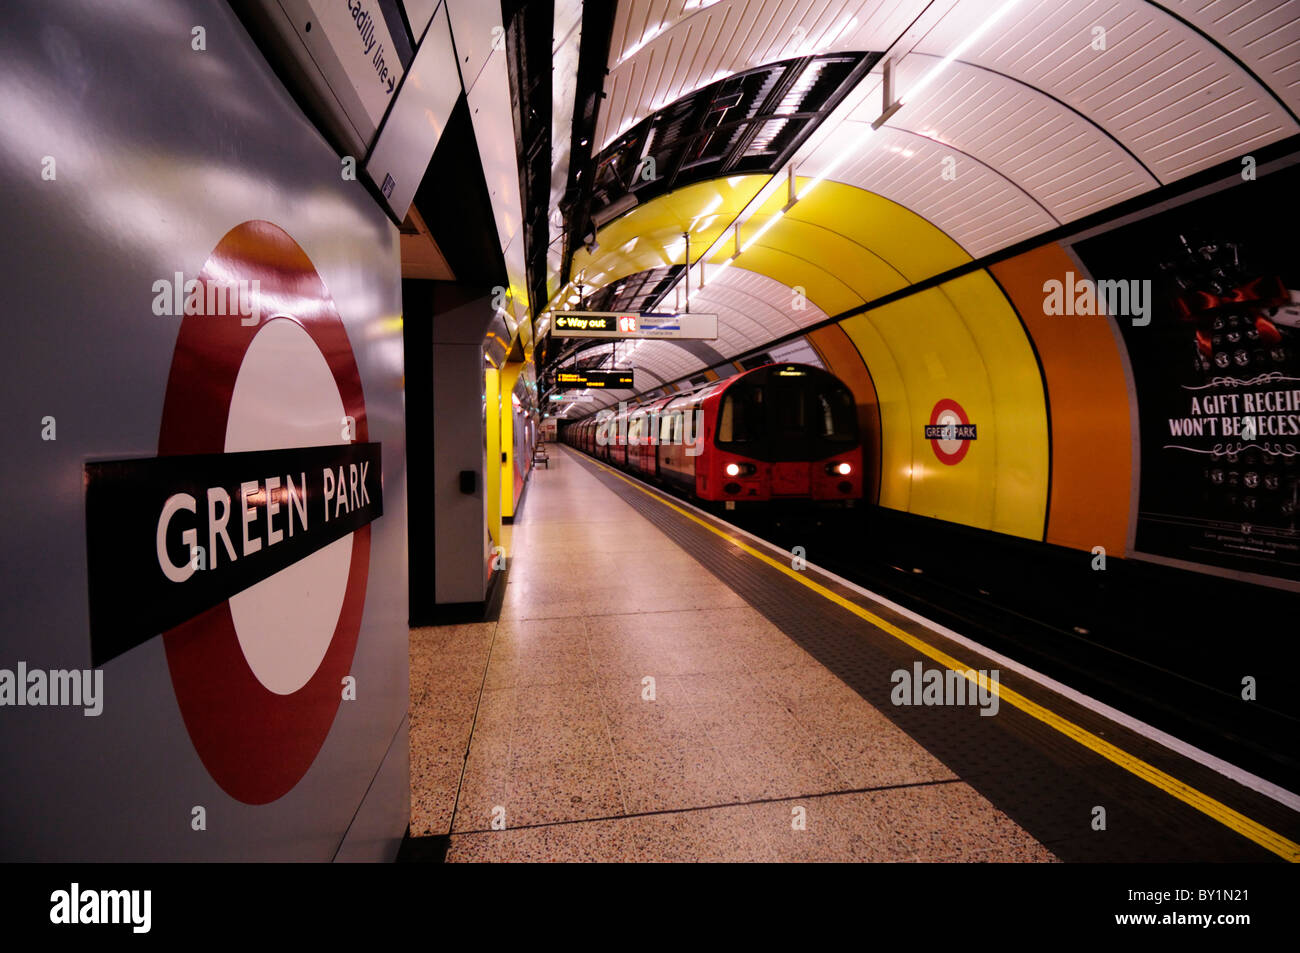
pixel 843 469
pixel 739 469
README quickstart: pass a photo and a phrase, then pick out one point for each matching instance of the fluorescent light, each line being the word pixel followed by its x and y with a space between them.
pixel 762 231
pixel 961 48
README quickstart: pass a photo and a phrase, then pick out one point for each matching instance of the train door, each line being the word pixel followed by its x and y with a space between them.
pixel 788 432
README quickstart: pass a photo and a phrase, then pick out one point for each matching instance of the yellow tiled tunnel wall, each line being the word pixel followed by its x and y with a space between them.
pixel 960 341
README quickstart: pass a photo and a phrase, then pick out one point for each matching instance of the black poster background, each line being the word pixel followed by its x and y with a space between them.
pixel 1236 512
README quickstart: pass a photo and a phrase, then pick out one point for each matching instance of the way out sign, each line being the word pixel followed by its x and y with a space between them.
pixel 629 324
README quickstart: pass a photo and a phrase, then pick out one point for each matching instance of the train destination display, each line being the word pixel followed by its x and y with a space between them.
pixel 576 380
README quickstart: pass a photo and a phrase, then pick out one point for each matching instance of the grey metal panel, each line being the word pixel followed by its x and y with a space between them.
pixel 376 832
pixel 419 115
pixel 458 444
pixel 160 150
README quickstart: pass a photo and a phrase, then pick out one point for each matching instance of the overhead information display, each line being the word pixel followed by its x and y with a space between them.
pixel 624 324
pixel 575 380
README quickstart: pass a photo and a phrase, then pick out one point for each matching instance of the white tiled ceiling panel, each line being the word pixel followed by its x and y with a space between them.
pixel 1263 34
pixel 1067 164
pixel 752 308
pixel 980 209
pixel 663 49
pixel 1172 98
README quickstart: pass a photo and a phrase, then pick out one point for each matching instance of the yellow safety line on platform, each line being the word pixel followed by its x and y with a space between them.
pixel 1253 830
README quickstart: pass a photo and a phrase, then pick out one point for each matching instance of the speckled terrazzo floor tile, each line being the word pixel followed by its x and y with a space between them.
pixel 606 842
pixel 487 766
pixel 467 639
pixel 700 659
pixel 538 635
pixel 1011 853
pixel 749 720
pixel 658 778
pixel 525 845
pixel 438 738
pixel 433 795
pixel 721 689
pixel 793 684
pixel 814 830
pixel 937 820
pixel 577 701
pixel 634 722
pixel 561 666
pixel 565 791
pixel 678 598
pixel 541 745
pixel 869 750
pixel 781 767
pixel 450 672
pixel 959 822
pixel 484 787
pixel 639 627
pixel 715 835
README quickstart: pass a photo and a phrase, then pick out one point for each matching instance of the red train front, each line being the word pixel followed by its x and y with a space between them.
pixel 783 432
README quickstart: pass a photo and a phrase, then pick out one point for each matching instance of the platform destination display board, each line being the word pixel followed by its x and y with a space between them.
pixel 625 324
pixel 577 380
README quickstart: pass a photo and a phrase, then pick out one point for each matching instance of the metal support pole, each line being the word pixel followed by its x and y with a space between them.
pixel 687 236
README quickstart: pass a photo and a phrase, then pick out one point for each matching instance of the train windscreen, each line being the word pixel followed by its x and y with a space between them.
pixel 787 413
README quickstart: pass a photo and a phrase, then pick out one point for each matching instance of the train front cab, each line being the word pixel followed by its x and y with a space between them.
pixel 782 432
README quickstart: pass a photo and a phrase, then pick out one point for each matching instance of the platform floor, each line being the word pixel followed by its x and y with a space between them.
pixel 661 687
pixel 744 747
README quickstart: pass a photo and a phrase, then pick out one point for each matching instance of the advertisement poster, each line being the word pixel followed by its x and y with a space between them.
pixel 1207 298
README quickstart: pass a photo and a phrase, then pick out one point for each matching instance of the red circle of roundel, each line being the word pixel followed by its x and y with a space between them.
pixel 254 743
pixel 956 457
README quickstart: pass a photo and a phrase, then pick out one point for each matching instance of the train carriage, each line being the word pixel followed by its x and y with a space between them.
pixel 782 432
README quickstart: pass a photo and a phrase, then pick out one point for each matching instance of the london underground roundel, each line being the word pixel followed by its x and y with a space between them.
pixel 949 432
pixel 271 488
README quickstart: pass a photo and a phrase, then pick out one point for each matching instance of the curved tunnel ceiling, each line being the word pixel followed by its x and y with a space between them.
pixel 1034 125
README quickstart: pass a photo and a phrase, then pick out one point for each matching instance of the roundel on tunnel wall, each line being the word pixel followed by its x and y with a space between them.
pixel 258 675
pixel 949 432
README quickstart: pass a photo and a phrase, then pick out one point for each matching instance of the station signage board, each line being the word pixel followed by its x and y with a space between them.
pixel 571 380
pixel 629 324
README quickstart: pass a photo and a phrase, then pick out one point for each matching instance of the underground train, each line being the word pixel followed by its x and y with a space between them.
pixel 781 432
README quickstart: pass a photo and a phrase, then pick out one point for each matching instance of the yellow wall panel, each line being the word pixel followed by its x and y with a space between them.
pixel 960 342
pixel 904 239
pixel 506 379
pixel 1020 432
pixel 938 360
pixel 867 274
pixel 492 463
pixel 823 288
pixel 895 412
